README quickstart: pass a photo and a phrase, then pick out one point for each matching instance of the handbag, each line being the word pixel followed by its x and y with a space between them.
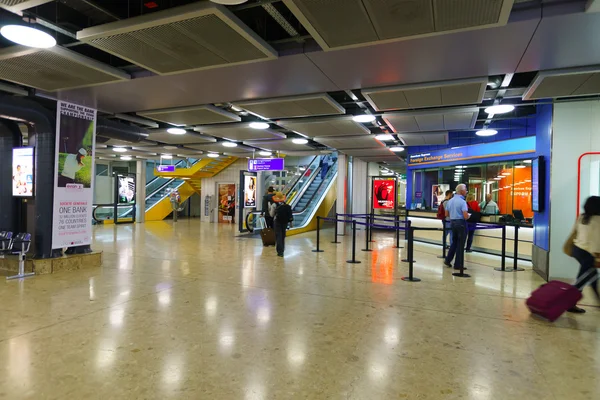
pixel 569 245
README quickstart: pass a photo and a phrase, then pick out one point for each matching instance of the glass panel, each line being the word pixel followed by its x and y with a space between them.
pixel 499 177
pixel 302 218
pixel 522 189
pixel 589 177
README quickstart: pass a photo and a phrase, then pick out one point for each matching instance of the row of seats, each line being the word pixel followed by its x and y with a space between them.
pixel 10 244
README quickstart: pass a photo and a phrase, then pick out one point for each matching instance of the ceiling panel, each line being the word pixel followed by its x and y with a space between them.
pixel 194 36
pixel 296 106
pixel 16 6
pixel 563 83
pixel 285 76
pixel 195 115
pixel 161 135
pixel 54 69
pixel 350 142
pixel 239 132
pixel 346 23
pixel 455 118
pixel 424 138
pixel 435 94
pixel 219 148
pixel 385 159
pixel 380 152
pixel 330 126
pixel 452 56
pixel 278 145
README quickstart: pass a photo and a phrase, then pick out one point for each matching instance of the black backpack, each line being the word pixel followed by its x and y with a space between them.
pixel 283 213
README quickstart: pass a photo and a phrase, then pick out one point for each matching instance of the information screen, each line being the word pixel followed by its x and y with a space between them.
pixel 265 164
pixel 384 194
pixel 537 184
pixel 22 167
pixel 126 189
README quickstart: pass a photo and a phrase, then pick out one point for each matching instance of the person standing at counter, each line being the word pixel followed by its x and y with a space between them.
pixel 489 206
pixel 475 211
pixel 457 211
pixel 442 215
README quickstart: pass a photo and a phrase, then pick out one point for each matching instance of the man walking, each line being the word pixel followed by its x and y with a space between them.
pixel 283 216
pixel 266 202
pixel 457 211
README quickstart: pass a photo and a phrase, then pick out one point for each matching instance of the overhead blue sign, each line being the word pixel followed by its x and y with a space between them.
pixel 265 164
pixel 165 168
pixel 506 148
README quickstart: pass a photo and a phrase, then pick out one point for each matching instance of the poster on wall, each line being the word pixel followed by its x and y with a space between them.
pixel 22 168
pixel 384 196
pixel 226 193
pixel 438 193
pixel 126 189
pixel 249 191
pixel 73 175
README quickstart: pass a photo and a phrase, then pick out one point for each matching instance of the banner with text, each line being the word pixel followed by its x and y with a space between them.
pixel 73 175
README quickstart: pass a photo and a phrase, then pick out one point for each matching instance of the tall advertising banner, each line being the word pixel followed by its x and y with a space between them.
pixel 73 175
pixel 384 194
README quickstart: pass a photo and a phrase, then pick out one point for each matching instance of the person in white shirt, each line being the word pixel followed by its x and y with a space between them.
pixel 489 206
pixel 586 247
pixel 73 163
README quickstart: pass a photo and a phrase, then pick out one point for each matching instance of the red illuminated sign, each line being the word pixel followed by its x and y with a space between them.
pixel 384 194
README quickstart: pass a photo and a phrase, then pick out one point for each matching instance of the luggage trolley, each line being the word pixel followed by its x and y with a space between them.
pixel 18 245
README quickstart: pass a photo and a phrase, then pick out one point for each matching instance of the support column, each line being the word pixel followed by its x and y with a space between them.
pixel 342 191
pixel 140 191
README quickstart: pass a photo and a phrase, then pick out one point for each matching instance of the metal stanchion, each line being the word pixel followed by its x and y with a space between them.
pixel 443 240
pixel 372 223
pixel 503 262
pixel 353 261
pixel 409 257
pixel 335 234
pixel 397 226
pixel 410 250
pixel 318 249
pixel 368 229
pixel 516 251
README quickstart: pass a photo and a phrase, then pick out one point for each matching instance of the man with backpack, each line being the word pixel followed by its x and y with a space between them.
pixel 441 215
pixel 283 217
pixel 267 201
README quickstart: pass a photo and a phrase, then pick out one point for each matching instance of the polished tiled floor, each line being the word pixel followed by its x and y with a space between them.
pixel 193 312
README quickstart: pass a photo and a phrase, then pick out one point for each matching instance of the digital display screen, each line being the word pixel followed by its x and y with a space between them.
pixel 384 194
pixel 165 168
pixel 22 166
pixel 126 189
pixel 265 164
pixel 249 191
pixel 537 184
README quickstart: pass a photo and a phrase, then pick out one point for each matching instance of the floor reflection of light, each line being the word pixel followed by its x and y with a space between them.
pixel 116 317
pixel 106 353
pixel 296 354
pixel 19 361
pixel 382 267
pixel 254 391
pixel 92 290
pixel 391 335
pixel 211 306
pixel 263 315
pixel 164 297
pixel 226 340
pixel 378 372
pixel 125 293
pixel 172 372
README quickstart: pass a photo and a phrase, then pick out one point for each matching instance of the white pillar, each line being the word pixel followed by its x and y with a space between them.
pixel 342 190
pixel 140 191
pixel 360 187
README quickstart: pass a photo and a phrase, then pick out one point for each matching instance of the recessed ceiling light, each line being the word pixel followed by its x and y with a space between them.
pixel 229 144
pixel 229 2
pixel 363 118
pixel 119 149
pixel 126 158
pixel 519 166
pixel 497 178
pixel 176 131
pixel 213 155
pixel 500 109
pixel 170 147
pixel 28 36
pixel 486 132
pixel 259 125
pixel 396 149
pixel 384 137
pixel 299 141
pixel 505 173
pixel 527 161
pixel 265 153
pixel 166 156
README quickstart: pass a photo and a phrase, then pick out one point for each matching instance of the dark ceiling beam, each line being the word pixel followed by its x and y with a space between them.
pixel 101 9
pixel 259 3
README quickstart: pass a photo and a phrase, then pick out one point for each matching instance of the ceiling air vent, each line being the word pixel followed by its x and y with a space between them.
pixel 348 23
pixel 292 107
pixel 327 126
pixel 17 6
pixel 564 83
pixel 442 119
pixel 196 36
pixel 54 69
pixel 434 94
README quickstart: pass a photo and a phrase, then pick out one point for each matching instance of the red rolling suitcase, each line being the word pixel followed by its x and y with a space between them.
pixel 268 237
pixel 551 300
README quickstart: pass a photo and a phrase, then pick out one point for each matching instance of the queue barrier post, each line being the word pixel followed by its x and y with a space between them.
pixel 368 230
pixel 353 261
pixel 516 268
pixel 409 257
pixel 503 257
pixel 318 249
pixel 335 231
pixel 372 223
pixel 397 226
pixel 444 230
pixel 410 251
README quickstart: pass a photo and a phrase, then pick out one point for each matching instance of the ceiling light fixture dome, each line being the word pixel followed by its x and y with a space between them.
pixel 265 153
pixel 259 125
pixel 28 36
pixel 500 109
pixel 166 156
pixel 119 149
pixel 176 131
pixel 384 137
pixel 213 155
pixel 126 158
pixel 229 2
pixel 363 118
pixel 486 132
pixel 299 141
pixel 397 149
pixel 229 144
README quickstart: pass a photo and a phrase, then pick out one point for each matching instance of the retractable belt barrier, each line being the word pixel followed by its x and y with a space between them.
pixel 409 229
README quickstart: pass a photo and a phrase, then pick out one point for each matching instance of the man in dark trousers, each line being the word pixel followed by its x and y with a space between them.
pixel 283 216
pixel 457 211
pixel 266 202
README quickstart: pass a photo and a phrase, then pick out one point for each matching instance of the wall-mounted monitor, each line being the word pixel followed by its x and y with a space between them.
pixel 537 184
pixel 22 176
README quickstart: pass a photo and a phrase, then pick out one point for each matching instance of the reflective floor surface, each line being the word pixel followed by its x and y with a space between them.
pixel 193 312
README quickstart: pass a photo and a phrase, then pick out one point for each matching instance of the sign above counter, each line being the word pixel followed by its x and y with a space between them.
pixel 503 149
